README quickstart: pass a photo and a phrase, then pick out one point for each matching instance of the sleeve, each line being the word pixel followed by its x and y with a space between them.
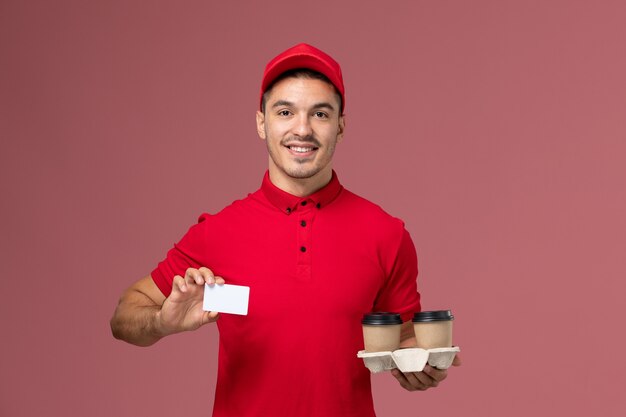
pixel 187 253
pixel 399 293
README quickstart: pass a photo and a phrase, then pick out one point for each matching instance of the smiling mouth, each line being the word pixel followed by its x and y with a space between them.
pixel 302 149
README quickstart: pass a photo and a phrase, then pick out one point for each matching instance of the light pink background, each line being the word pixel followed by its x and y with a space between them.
pixel 495 129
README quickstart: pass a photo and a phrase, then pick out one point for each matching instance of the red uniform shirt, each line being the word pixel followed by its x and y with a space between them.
pixel 314 266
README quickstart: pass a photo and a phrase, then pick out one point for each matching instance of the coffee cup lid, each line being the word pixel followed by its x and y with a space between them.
pixel 425 316
pixel 381 318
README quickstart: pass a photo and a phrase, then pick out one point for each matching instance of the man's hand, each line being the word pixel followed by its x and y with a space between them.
pixel 182 310
pixel 420 381
pixel 143 314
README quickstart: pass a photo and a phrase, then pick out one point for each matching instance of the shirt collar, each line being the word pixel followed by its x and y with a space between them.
pixel 287 203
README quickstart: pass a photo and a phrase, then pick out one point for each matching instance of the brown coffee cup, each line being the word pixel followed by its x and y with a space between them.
pixel 381 331
pixel 433 329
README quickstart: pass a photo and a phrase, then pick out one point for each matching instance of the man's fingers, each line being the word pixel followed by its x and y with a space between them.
pixel 413 381
pixel 421 379
pixel 417 381
pixel 409 381
pixel 206 275
pixel 199 276
pixel 219 281
pixel 437 375
pixel 402 380
pixel 179 284
pixel 210 316
pixel 193 275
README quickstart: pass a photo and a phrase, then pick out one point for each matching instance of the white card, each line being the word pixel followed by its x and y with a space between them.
pixel 226 298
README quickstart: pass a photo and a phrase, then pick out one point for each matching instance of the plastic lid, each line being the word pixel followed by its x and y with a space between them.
pixel 381 319
pixel 440 315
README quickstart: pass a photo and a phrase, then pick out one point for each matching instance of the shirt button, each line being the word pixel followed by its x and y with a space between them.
pixel 288 210
pixel 302 249
pixel 303 223
pixel 318 205
pixel 303 203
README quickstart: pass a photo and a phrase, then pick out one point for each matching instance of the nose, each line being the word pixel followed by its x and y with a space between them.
pixel 302 127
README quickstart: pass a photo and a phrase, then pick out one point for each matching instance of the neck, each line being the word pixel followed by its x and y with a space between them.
pixel 300 187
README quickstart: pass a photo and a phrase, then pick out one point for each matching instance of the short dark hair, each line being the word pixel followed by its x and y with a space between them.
pixel 298 73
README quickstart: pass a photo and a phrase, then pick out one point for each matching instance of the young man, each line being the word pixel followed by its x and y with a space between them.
pixel 315 256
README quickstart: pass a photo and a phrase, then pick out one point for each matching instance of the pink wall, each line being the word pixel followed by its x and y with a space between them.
pixel 495 129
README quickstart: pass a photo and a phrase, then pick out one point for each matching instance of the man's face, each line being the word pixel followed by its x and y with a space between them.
pixel 301 126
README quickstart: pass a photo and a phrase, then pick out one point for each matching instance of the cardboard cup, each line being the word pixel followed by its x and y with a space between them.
pixel 381 338
pixel 381 331
pixel 433 329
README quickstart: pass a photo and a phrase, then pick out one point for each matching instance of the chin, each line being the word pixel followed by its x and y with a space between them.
pixel 301 175
pixel 302 172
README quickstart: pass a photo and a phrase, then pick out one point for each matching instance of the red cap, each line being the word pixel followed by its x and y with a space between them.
pixel 304 56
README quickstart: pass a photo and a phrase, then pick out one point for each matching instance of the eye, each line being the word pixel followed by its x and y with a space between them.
pixel 284 113
pixel 321 115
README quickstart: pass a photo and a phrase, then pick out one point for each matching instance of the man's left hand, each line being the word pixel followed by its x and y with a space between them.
pixel 429 377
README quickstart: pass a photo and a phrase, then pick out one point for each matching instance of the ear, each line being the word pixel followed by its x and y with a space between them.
pixel 342 126
pixel 260 124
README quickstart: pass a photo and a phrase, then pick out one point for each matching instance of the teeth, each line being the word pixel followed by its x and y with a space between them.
pixel 300 149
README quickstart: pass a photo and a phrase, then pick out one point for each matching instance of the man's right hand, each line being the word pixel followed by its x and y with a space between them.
pixel 182 310
pixel 143 314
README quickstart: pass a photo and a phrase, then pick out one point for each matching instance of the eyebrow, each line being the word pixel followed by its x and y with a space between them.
pixel 322 105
